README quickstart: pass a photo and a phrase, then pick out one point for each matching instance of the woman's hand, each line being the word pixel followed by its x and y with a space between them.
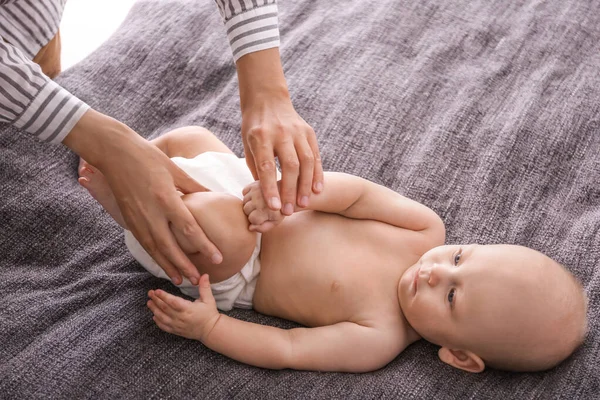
pixel 271 128
pixel 145 184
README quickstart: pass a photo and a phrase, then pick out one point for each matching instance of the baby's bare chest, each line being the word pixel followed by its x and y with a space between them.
pixel 321 269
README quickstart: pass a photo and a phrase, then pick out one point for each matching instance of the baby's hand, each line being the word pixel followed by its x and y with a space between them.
pixel 192 320
pixel 260 216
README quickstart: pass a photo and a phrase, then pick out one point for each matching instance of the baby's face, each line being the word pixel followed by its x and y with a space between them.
pixel 461 296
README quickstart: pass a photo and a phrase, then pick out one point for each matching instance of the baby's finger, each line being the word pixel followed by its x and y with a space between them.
pixel 265 227
pixel 247 198
pixel 249 207
pixel 158 313
pixel 174 302
pixel 247 189
pixel 257 217
pixel 164 327
pixel 205 291
pixel 160 304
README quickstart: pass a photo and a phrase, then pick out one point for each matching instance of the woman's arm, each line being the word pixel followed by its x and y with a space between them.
pixel 271 127
pixel 31 101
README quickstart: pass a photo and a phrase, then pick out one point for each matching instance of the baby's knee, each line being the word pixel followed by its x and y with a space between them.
pixel 221 217
pixel 196 131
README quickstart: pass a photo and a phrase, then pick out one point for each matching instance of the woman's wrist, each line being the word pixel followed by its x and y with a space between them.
pixel 261 78
pixel 96 136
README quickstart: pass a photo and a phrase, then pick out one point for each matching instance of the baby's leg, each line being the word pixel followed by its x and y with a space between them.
pixel 220 215
pixel 222 219
pixel 189 141
pixel 95 183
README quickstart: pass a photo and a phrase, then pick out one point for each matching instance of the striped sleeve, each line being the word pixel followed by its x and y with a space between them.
pixel 30 24
pixel 31 101
pixel 251 25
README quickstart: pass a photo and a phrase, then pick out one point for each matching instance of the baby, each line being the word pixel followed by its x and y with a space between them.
pixel 362 268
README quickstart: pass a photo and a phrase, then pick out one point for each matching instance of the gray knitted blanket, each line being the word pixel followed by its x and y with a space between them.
pixel 486 111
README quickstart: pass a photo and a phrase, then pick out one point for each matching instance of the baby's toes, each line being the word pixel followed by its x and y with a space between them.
pixel 82 164
pixel 85 167
pixel 86 174
pixel 86 183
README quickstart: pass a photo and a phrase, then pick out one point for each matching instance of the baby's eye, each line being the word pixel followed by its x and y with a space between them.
pixel 457 257
pixel 451 294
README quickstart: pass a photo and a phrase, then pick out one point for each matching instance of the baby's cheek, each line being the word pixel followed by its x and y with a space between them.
pixel 419 315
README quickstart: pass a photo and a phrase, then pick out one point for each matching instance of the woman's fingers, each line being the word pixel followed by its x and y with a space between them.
pixel 290 169
pixel 249 157
pixel 272 129
pixel 263 154
pixel 305 179
pixel 184 221
pixel 145 183
pixel 318 178
pixel 152 208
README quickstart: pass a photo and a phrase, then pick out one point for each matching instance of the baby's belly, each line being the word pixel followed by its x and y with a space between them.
pixel 319 269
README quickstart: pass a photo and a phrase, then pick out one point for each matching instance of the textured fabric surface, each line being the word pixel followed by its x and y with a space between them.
pixel 486 111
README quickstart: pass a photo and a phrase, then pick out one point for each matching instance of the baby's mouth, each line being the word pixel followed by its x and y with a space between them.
pixel 416 281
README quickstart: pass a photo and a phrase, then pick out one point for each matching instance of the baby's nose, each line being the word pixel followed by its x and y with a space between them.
pixel 425 273
pixel 431 274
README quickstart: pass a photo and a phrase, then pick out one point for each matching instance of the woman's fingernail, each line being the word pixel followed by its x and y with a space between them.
pixel 304 201
pixel 275 203
pixel 216 258
pixel 288 209
pixel 319 186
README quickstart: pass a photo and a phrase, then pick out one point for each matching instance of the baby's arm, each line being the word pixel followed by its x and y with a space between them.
pixel 345 346
pixel 358 198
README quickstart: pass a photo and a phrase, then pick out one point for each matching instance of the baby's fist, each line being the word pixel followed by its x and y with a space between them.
pixel 260 216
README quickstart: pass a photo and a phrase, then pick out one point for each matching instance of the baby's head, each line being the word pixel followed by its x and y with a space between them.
pixel 504 306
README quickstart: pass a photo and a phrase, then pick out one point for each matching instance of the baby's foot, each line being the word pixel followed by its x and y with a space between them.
pixel 95 183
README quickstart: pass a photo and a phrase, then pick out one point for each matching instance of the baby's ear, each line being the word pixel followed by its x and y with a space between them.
pixel 462 359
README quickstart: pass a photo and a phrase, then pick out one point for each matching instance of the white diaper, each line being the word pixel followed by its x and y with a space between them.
pixel 219 172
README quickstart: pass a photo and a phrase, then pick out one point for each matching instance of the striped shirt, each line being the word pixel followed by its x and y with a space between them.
pixel 32 102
